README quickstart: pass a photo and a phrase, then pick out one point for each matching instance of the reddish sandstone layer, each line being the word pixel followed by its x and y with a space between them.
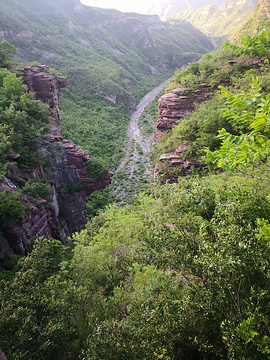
pixel 172 165
pixel 47 89
pixel 174 106
pixel 35 223
pixel 66 212
pixel 76 156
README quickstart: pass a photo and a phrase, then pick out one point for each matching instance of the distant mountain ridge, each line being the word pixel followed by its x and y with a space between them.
pixel 219 21
pixel 165 8
pixel 259 16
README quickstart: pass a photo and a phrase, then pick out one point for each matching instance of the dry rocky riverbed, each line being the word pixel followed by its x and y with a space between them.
pixel 135 167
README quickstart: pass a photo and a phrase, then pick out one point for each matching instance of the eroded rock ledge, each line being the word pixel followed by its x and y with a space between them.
pixel 173 107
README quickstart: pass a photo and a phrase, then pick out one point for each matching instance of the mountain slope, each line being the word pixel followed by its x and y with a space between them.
pixel 172 7
pixel 259 15
pixel 111 60
pixel 217 21
pixel 108 51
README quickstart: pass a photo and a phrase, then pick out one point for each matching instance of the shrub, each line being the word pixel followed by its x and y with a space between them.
pixel 73 187
pixel 11 209
pixel 37 187
pixel 94 169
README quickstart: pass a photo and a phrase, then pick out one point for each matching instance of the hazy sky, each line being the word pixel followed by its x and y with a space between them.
pixel 139 6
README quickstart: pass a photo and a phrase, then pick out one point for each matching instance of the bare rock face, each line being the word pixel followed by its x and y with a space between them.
pixel 36 222
pixel 47 89
pixel 70 184
pixel 174 106
pixel 64 212
pixel 2 355
pixel 76 156
pixel 40 219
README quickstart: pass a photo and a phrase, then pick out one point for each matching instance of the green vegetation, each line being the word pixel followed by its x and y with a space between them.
pixel 98 126
pixel 181 274
pixel 110 65
pixel 219 22
pixel 73 187
pixel 23 123
pixel 248 112
pixel 11 209
pixel 37 188
pixel 197 130
pixel 94 169
pixel 236 108
pixel 246 153
pixel 257 45
pixel 212 69
pixel 23 120
pixel 6 49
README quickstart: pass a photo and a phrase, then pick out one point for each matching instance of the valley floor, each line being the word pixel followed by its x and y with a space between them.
pixel 135 166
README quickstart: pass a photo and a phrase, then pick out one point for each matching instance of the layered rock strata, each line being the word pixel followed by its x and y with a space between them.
pixel 174 106
pixel 171 109
pixel 47 89
pixel 64 211
pixel 172 165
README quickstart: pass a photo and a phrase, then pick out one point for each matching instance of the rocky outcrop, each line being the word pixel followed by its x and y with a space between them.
pixel 47 89
pixel 64 210
pixel 175 105
pixel 172 108
pixel 69 182
pixel 172 165
pixel 2 355
pixel 38 221
pixel 76 157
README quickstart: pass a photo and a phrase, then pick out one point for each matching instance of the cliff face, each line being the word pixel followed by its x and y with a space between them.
pixel 172 108
pixel 65 210
pixel 47 89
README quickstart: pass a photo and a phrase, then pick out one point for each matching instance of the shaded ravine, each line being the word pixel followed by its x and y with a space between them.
pixel 135 166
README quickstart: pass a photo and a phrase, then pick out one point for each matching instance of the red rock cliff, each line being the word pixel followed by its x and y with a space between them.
pixel 174 106
pixel 47 89
pixel 69 185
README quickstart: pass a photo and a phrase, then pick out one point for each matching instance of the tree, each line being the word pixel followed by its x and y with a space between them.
pixel 248 153
pixel 25 118
pixel 5 147
pixel 34 322
pixel 6 49
pixel 257 45
pixel 11 209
